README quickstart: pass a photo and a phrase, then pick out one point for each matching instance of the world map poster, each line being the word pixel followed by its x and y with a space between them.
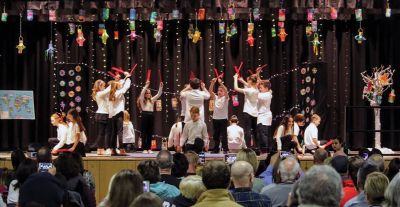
pixel 16 105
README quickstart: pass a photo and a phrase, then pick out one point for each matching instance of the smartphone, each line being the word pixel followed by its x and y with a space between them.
pixel 284 154
pixel 146 186
pixel 44 166
pixel 230 158
pixel 32 154
pixel 364 155
pixel 202 158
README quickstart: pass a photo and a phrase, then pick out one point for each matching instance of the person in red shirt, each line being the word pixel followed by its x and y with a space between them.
pixel 341 165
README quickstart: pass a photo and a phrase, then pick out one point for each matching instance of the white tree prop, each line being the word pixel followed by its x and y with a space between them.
pixel 376 84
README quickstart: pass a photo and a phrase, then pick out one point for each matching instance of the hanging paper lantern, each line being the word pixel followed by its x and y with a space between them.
pixel 71 28
pixel 360 37
pixel 282 34
pixel 392 96
pixel 52 15
pixel 235 100
pixel 314 26
pixel 190 31
pixel 175 14
pixel 196 36
pixel 153 17
pixel 4 16
pixel 309 30
pixel 174 103
pixel 233 29
pixel 316 44
pixel 106 14
pixel 132 25
pixel 211 105
pixel 160 25
pixel 250 40
pixel 157 35
pixel 231 13
pixel 221 27
pixel 116 35
pixel 133 35
pixel 201 15
pixel 102 27
pixel 310 14
pixel 29 15
pixel 333 13
pixel 358 13
pixel 20 45
pixel 273 32
pixel 49 53
pixel 250 27
pixel 104 37
pixel 282 15
pixel 82 15
pixel 388 11
pixel 256 13
pixel 80 39
pixel 132 14
pixel 281 24
pixel 158 105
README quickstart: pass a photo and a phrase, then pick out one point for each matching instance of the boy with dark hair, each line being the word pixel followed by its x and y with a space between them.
pixel 194 97
pixel 194 136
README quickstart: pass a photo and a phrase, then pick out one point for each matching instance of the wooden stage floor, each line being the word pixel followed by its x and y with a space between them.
pixel 103 167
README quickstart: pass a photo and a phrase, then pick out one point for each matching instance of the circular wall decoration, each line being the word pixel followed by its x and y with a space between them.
pixel 303 71
pixel 62 83
pixel 78 68
pixel 71 94
pixel 78 89
pixel 314 70
pixel 71 104
pixel 303 92
pixel 71 84
pixel 62 94
pixel 62 73
pixel 78 108
pixel 71 72
pixel 308 79
pixel 78 78
pixel 78 99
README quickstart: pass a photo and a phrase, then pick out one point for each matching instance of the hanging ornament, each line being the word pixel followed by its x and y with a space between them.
pixel 315 42
pixel 250 27
pixel 132 14
pixel 233 29
pixel 228 34
pixel 106 14
pixel 201 15
pixel 360 37
pixel 82 15
pixel 175 14
pixel 102 27
pixel 282 15
pixel 310 15
pixel 190 31
pixel 273 32
pixel 282 34
pixel 133 35
pixel 250 40
pixel 29 15
pixel 235 100
pixel 104 37
pixel 309 30
pixel 231 13
pixel 333 13
pixel 221 27
pixel 358 13
pixel 211 105
pixel 52 15
pixel 80 39
pixel 392 96
pixel 4 15
pixel 388 11
pixel 20 45
pixel 158 105
pixel 174 103
pixel 153 17
pixel 314 26
pixel 256 14
pixel 196 36
pixel 160 25
pixel 157 35
pixel 116 34
pixel 132 25
pixel 71 28
pixel 49 53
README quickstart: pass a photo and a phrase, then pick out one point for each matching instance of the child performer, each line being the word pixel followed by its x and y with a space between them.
pixel 116 109
pixel 195 135
pixel 311 141
pixel 220 115
pixel 57 120
pixel 175 134
pixel 100 95
pixel 195 97
pixel 250 111
pixel 147 107
pixel 283 134
pixel 236 140
pixel 264 119
pixel 128 132
pixel 76 138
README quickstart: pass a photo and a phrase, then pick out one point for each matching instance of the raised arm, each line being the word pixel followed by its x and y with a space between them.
pixel 224 87
pixel 236 85
pixel 188 88
pixel 211 88
pixel 206 94
pixel 104 92
pixel 160 88
pixel 146 86
pixel 125 87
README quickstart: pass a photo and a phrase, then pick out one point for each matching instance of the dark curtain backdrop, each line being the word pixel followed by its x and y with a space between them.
pixel 176 56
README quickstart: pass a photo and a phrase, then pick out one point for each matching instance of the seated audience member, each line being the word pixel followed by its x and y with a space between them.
pixel 289 172
pixel 147 200
pixel 392 193
pixel 195 135
pixel 341 164
pixel 193 160
pixel 216 178
pixel 320 156
pixel 267 175
pixel 250 156
pixel 180 167
pixel 87 175
pixel 70 170
pixel 338 147
pixel 311 141
pixel 41 189
pixel 235 133
pixel 375 187
pixel 44 155
pixel 5 180
pixel 165 162
pixel 26 168
pixel 17 156
pixel 377 159
pixel 393 168
pixel 242 176
pixel 293 197
pixel 367 168
pixel 150 171
pixel 191 188
pixel 125 186
pixel 320 186
pixel 355 162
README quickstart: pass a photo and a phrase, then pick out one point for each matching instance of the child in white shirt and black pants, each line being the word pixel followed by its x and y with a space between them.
pixel 236 140
pixel 264 119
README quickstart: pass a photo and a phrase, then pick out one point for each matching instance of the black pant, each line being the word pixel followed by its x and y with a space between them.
pixel 196 147
pixel 116 130
pixel 101 121
pixel 147 129
pixel 250 128
pixel 263 137
pixel 220 133
pixel 79 149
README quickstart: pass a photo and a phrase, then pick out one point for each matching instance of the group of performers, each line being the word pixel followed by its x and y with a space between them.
pixel 115 129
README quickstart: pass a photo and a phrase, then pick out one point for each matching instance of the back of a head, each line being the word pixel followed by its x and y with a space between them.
pixel 67 165
pixel 340 164
pixel 164 159
pixel 355 163
pixel 240 172
pixel 393 168
pixel 147 200
pixel 181 165
pixel 192 187
pixel 321 185
pixel 392 193
pixel 44 155
pixel 375 187
pixel 17 156
pixel 125 186
pixel 320 155
pixel 195 83
pixel 289 170
pixel 216 175
pixel 367 168
pixel 249 156
pixel 149 170
pixel 25 169
pixel 192 157
pixel 378 160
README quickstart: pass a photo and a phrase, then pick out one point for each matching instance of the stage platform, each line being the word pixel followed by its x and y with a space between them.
pixel 103 167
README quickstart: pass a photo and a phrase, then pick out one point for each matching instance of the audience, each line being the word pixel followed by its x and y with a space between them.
pixel 147 200
pixel 216 178
pixel 375 187
pixel 250 156
pixel 341 164
pixel 320 156
pixel 150 171
pixel 320 186
pixel 293 197
pixel 377 159
pixel 17 156
pixel 267 175
pixel 124 187
pixel 44 155
pixel 242 176
pixel 165 163
pixel 355 163
pixel 288 171
pixel 26 168
pixel 392 193
pixel 338 147
pixel 180 167
pixel 191 188
pixel 393 168
pixel 193 160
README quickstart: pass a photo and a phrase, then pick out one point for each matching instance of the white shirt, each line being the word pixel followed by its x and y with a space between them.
pixel 13 194
pixel 264 108
pixel 195 97
pixel 221 107
pixel 73 131
pixel 117 106
pixel 296 129
pixel 193 130
pixel 128 135
pixel 175 135
pixel 148 105
pixel 310 133
pixel 250 101
pixel 236 137
pixel 183 105
pixel 281 132
pixel 62 131
pixel 102 100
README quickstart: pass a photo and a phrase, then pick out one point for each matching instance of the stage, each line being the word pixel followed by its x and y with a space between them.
pixel 103 167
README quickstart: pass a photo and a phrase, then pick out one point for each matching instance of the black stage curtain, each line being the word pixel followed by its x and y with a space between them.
pixel 343 60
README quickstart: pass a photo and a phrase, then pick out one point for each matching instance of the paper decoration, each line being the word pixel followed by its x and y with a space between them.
pixel 388 11
pixel 310 15
pixel 333 13
pixel 314 26
pixel 235 100
pixel 360 37
pixel 309 30
pixel 315 42
pixel 49 53
pixel 104 37
pixel 158 105
pixel 231 13
pixel 233 29
pixel 82 15
pixel 282 15
pixel 102 27
pixel 250 40
pixel 116 35
pixel 190 31
pixel 52 15
pixel 132 25
pixel 153 17
pixel 20 45
pixel 256 14
pixel 80 39
pixel 132 14
pixel 250 27
pixel 4 16
pixel 282 34
pixel 175 14
pixel 221 27
pixel 392 96
pixel 273 32
pixel 133 35
pixel 160 25
pixel 211 104
pixel 29 15
pixel 71 28
pixel 106 14
pixel 157 35
pixel 201 15
pixel 196 36
pixel 174 103
pixel 358 13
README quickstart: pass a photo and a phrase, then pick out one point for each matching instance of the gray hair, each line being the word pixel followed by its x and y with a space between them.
pixel 321 185
pixel 165 159
pixel 289 169
pixel 392 193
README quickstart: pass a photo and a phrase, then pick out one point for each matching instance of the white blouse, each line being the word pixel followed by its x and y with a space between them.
pixel 128 133
pixel 62 131
pixel 102 101
pixel 250 101
pixel 175 135
pixel 148 105
pixel 221 107
pixel 194 97
pixel 117 106
pixel 264 108
pixel 73 131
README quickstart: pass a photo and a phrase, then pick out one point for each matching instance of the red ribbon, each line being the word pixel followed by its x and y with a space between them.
pixel 148 74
